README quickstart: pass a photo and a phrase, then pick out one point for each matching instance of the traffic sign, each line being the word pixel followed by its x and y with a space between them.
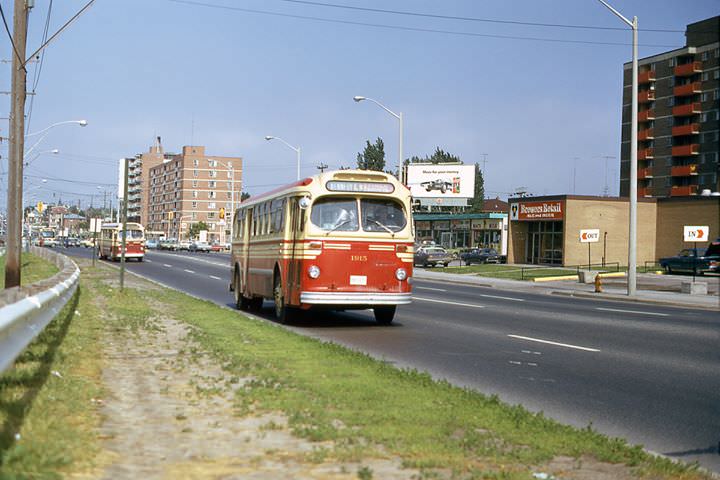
pixel 696 234
pixel 590 235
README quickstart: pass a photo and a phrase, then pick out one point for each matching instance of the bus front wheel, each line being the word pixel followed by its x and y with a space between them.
pixel 384 315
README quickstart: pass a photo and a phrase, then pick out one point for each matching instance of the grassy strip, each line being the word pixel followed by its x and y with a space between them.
pixel 33 269
pixel 366 407
pixel 510 272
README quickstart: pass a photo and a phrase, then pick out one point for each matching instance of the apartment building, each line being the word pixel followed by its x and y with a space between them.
pixel 678 118
pixel 139 180
pixel 193 187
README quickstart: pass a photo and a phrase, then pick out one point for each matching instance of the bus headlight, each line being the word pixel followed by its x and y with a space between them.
pixel 400 274
pixel 314 271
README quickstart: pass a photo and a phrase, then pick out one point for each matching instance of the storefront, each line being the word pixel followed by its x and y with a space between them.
pixel 465 230
pixel 549 230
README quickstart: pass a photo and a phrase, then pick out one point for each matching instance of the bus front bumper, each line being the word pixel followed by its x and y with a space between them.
pixel 354 298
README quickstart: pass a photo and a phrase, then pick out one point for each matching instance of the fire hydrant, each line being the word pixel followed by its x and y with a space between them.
pixel 598 283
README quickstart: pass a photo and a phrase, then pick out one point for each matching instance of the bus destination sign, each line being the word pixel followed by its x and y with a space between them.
pixel 364 187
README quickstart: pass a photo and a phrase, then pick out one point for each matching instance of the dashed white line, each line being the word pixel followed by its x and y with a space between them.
pixel 448 303
pixel 215 278
pixel 566 345
pixel 632 311
pixel 166 265
pixel 502 298
pixel 430 288
pixel 188 271
pixel 148 261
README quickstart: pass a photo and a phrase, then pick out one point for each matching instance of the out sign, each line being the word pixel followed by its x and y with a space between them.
pixel 696 234
pixel 590 236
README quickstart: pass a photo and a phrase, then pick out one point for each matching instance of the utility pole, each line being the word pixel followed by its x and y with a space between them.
pixel 575 159
pixel 606 189
pixel 16 147
pixel 322 167
pixel 124 227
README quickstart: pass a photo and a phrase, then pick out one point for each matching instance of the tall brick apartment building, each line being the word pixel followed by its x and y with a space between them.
pixel 678 121
pixel 168 192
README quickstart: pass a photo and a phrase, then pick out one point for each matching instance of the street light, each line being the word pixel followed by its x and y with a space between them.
pixel 399 116
pixel 297 150
pixel 45 131
pixel 632 240
pixel 54 151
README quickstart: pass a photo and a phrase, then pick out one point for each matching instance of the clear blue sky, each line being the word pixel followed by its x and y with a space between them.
pixel 225 78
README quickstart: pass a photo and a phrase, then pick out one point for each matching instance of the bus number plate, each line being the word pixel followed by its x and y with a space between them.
pixel 358 280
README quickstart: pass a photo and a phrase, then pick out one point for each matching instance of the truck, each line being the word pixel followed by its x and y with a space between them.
pixel 695 260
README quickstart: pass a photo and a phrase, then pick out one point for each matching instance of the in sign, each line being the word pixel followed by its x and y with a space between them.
pixel 590 236
pixel 696 234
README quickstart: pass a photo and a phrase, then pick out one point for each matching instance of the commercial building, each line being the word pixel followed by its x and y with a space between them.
pixel 193 187
pixel 678 119
pixel 463 230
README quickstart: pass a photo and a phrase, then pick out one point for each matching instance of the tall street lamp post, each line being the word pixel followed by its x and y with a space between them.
pixel 297 150
pixel 399 116
pixel 632 240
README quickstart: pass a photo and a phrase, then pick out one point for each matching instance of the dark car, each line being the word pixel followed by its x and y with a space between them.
pixel 438 184
pixel 481 255
pixel 694 260
pixel 432 257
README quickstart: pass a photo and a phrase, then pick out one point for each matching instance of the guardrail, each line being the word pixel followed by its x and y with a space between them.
pixel 26 311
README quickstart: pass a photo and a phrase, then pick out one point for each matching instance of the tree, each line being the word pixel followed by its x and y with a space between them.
pixel 244 196
pixel 196 227
pixel 476 204
pixel 373 157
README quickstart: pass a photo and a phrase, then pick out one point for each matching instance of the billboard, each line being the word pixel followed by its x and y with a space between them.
pixel 441 180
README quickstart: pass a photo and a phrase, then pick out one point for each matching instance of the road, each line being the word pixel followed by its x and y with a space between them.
pixel 649 374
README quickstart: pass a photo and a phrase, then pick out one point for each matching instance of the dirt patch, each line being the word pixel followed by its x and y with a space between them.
pixel 169 414
pixel 584 468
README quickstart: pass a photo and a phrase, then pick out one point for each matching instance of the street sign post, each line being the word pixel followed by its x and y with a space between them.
pixel 692 233
pixel 95 227
pixel 590 235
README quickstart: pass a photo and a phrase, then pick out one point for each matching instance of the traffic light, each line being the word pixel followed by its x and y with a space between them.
pixel 171 215
pixel 222 213
pixel 40 207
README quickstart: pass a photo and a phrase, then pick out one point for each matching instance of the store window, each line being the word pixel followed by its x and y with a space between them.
pixel 545 243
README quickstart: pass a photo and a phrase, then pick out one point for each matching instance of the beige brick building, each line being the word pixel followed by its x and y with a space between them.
pixel 187 188
pixel 139 181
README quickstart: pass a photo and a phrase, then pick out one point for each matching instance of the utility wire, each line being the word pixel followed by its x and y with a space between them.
pixel 410 29
pixel 12 42
pixel 38 68
pixel 473 19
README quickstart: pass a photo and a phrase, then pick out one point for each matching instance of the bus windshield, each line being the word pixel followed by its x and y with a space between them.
pixel 341 214
pixel 132 234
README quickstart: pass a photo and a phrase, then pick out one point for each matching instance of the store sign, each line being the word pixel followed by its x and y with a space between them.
pixel 525 211
pixel 590 236
pixel 422 225
pixel 696 234
pixel 442 225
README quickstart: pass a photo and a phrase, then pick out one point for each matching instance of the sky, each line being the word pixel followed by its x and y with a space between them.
pixel 537 105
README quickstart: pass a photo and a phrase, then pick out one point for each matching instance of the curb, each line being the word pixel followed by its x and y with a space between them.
pixel 618 298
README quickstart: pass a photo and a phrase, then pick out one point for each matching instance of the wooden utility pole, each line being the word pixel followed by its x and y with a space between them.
pixel 16 148
pixel 124 225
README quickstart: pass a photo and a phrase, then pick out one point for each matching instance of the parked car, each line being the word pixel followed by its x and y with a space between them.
pixel 151 244
pixel 217 247
pixel 199 247
pixel 482 255
pixel 87 242
pixel 168 244
pixel 432 257
pixel 184 245
pixel 694 260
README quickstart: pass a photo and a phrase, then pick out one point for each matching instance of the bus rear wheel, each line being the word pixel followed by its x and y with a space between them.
pixel 283 313
pixel 384 315
pixel 241 302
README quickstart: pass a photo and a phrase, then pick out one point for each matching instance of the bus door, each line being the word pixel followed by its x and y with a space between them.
pixel 294 265
pixel 250 225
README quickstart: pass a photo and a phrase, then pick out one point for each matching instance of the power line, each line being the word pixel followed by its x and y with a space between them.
pixel 38 68
pixel 472 19
pixel 12 42
pixel 409 29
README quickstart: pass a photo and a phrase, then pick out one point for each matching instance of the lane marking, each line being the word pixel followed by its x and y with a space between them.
pixel 188 271
pixel 632 311
pixel 148 261
pixel 566 345
pixel 166 265
pixel 502 298
pixel 214 277
pixel 448 303
pixel 430 288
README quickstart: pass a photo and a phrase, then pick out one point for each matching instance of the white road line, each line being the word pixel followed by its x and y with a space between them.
pixel 166 265
pixel 633 311
pixel 503 298
pixel 430 288
pixel 214 277
pixel 188 271
pixel 148 261
pixel 566 345
pixel 448 303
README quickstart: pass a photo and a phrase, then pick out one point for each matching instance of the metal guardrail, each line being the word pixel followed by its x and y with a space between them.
pixel 26 311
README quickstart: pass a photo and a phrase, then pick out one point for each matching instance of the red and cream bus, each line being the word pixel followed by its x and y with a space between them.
pixel 340 240
pixel 110 241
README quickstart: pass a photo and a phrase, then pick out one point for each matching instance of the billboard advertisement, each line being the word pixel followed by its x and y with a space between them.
pixel 441 181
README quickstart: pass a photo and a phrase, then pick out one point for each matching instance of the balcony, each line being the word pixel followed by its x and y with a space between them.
pixel 684 170
pixel 687 110
pixel 686 150
pixel 646 134
pixel 643 192
pixel 644 173
pixel 688 69
pixel 645 115
pixel 683 191
pixel 645 153
pixel 688 89
pixel 646 96
pixel 646 77
pixel 690 129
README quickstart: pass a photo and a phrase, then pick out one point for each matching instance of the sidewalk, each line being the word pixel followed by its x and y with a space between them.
pixel 613 289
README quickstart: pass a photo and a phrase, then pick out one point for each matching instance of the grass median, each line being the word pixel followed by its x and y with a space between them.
pixel 509 272
pixel 354 406
pixel 33 269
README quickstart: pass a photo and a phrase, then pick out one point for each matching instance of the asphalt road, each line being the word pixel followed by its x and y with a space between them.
pixel 646 373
